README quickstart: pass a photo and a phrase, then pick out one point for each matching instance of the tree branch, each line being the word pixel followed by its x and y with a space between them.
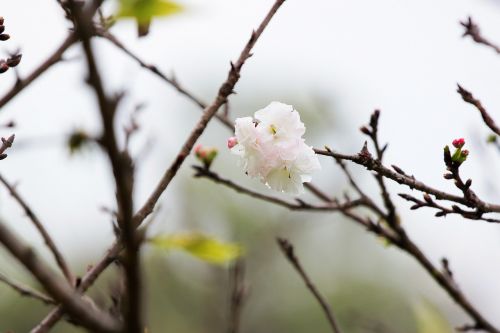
pixel 26 290
pixel 53 59
pixel 122 171
pixel 467 97
pixel 288 251
pixel 400 177
pixel 333 205
pixel 59 289
pixel 41 229
pixel 472 30
pixel 225 90
pixel 238 295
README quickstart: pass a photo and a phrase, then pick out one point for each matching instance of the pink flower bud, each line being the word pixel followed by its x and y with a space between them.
pixel 231 142
pixel 458 143
pixel 205 154
pixel 198 150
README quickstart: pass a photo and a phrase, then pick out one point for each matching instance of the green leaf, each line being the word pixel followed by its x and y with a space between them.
pixel 201 246
pixel 429 319
pixel 144 10
pixel 78 140
pixel 492 138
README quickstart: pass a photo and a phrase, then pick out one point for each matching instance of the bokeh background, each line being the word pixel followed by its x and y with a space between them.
pixel 335 61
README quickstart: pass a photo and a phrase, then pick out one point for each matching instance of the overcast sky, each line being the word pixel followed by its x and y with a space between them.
pixel 404 57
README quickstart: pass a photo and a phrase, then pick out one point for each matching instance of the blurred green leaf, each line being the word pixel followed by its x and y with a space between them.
pixel 430 319
pixel 492 138
pixel 203 247
pixel 78 140
pixel 144 10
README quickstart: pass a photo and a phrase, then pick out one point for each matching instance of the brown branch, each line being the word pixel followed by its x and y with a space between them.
pixel 400 239
pixel 369 202
pixel 444 211
pixel 238 295
pixel 53 59
pixel 225 90
pixel 41 229
pixel 27 291
pixel 469 98
pixel 223 118
pixel 472 30
pixel 403 240
pixel 317 192
pixel 157 72
pixel 390 217
pixel 59 289
pixel 6 144
pixel 87 280
pixel 448 285
pixel 288 251
pixel 122 171
pixel 371 164
pixel 333 205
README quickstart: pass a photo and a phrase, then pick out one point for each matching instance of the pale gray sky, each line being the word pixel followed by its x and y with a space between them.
pixel 404 57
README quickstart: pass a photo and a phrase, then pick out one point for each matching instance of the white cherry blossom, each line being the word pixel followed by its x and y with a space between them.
pixel 271 148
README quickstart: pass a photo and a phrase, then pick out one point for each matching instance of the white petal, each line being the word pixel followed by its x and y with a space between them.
pixel 283 180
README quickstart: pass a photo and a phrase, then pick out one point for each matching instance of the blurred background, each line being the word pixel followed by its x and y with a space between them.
pixel 335 61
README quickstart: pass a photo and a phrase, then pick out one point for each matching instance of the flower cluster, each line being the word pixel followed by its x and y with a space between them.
pixel 272 149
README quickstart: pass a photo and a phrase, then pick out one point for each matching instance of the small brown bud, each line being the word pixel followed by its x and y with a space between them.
pixel 14 60
pixel 1 20
pixel 3 67
pixel 2 28
pixel 427 198
pixel 3 156
pixel 468 183
pixel 4 37
pixel 374 118
pixel 448 176
pixel 365 130
pixel 10 124
pixel 398 170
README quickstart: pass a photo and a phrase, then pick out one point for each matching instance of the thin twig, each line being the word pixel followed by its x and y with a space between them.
pixel 472 30
pixel 41 229
pixel 371 164
pixel 288 251
pixel 6 144
pixel 53 59
pixel 87 280
pixel 26 290
pixel 238 295
pixel 122 171
pixel 469 98
pixel 403 240
pixel 223 118
pixel 156 71
pixel 448 285
pixel 391 216
pixel 444 211
pixel 59 289
pixel 225 90
pixel 333 205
